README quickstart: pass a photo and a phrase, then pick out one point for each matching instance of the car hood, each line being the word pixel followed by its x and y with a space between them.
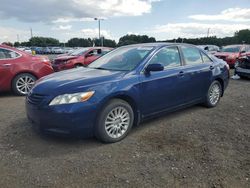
pixel 225 54
pixel 74 80
pixel 66 57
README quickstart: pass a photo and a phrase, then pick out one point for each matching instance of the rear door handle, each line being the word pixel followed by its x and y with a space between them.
pixel 211 67
pixel 6 65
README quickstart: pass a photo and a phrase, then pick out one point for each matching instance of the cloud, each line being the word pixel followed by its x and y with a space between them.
pixel 194 30
pixel 231 14
pixel 9 34
pixel 62 27
pixel 94 33
pixel 66 20
pixel 48 11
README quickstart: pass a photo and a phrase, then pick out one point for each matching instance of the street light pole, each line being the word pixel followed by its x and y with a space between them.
pixel 99 30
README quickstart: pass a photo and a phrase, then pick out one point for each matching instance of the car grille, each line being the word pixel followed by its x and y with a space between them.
pixel 57 61
pixel 244 64
pixel 35 99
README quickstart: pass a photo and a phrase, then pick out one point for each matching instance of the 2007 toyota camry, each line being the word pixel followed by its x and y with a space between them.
pixel 124 87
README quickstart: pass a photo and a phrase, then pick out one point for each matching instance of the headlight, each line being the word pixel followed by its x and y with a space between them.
pixel 231 57
pixel 65 62
pixel 236 64
pixel 71 98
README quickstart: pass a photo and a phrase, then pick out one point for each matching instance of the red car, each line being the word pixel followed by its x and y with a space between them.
pixel 231 53
pixel 19 70
pixel 78 58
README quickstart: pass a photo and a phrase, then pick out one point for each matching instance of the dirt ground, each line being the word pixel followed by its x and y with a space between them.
pixel 194 147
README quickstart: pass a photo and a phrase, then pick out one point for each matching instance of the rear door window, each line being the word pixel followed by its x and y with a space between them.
pixel 191 55
pixel 8 54
pixel 205 58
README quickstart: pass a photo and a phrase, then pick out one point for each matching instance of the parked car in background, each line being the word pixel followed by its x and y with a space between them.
pixel 242 67
pixel 25 49
pixel 67 50
pixel 38 50
pixel 125 86
pixel 19 70
pixel 231 53
pixel 46 50
pixel 79 58
pixel 57 50
pixel 212 49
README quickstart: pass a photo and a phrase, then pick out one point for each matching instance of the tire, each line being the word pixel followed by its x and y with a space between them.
pixel 114 122
pixel 18 84
pixel 214 94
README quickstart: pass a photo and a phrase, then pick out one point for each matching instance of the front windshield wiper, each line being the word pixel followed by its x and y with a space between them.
pixel 99 68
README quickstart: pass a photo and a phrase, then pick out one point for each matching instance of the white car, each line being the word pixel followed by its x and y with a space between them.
pixel 212 49
pixel 57 50
pixel 25 49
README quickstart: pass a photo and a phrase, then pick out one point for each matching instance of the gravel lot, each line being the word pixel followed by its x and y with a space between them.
pixel 195 147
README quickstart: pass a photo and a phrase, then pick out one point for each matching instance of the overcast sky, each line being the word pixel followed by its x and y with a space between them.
pixel 162 19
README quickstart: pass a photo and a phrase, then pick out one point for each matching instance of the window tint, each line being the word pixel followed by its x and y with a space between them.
pixel 205 58
pixel 191 55
pixel 96 52
pixel 8 54
pixel 247 48
pixel 168 57
pixel 105 51
pixel 122 59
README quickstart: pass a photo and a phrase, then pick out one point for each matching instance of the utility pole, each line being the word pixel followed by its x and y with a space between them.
pixel 208 30
pixel 17 36
pixel 31 33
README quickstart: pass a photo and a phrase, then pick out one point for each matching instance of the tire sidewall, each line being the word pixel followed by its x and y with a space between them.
pixel 100 131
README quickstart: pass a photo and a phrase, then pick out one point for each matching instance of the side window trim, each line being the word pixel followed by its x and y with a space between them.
pixel 204 54
pixel 20 55
pixel 184 61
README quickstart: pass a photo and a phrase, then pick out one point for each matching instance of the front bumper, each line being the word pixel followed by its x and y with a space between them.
pixel 76 118
pixel 242 72
pixel 61 67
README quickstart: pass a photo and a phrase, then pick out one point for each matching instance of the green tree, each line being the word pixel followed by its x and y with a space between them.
pixel 79 42
pixel 134 39
pixel 243 36
pixel 43 41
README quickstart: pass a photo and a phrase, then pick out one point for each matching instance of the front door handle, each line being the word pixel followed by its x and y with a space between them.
pixel 181 73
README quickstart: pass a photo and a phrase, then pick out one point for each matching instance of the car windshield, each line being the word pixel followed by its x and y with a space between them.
pixel 122 59
pixel 79 51
pixel 232 49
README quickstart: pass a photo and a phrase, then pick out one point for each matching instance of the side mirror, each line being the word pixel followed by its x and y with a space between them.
pixel 154 67
pixel 242 52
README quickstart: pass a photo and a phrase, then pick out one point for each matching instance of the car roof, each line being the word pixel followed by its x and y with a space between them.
pixel 158 44
pixel 235 45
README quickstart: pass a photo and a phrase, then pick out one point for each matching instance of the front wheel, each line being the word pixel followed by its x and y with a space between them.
pixel 213 94
pixel 115 121
pixel 23 83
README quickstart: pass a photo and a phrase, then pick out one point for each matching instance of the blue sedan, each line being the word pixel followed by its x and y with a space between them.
pixel 124 87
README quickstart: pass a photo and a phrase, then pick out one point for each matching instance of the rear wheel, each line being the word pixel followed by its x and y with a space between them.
pixel 115 121
pixel 23 83
pixel 214 94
